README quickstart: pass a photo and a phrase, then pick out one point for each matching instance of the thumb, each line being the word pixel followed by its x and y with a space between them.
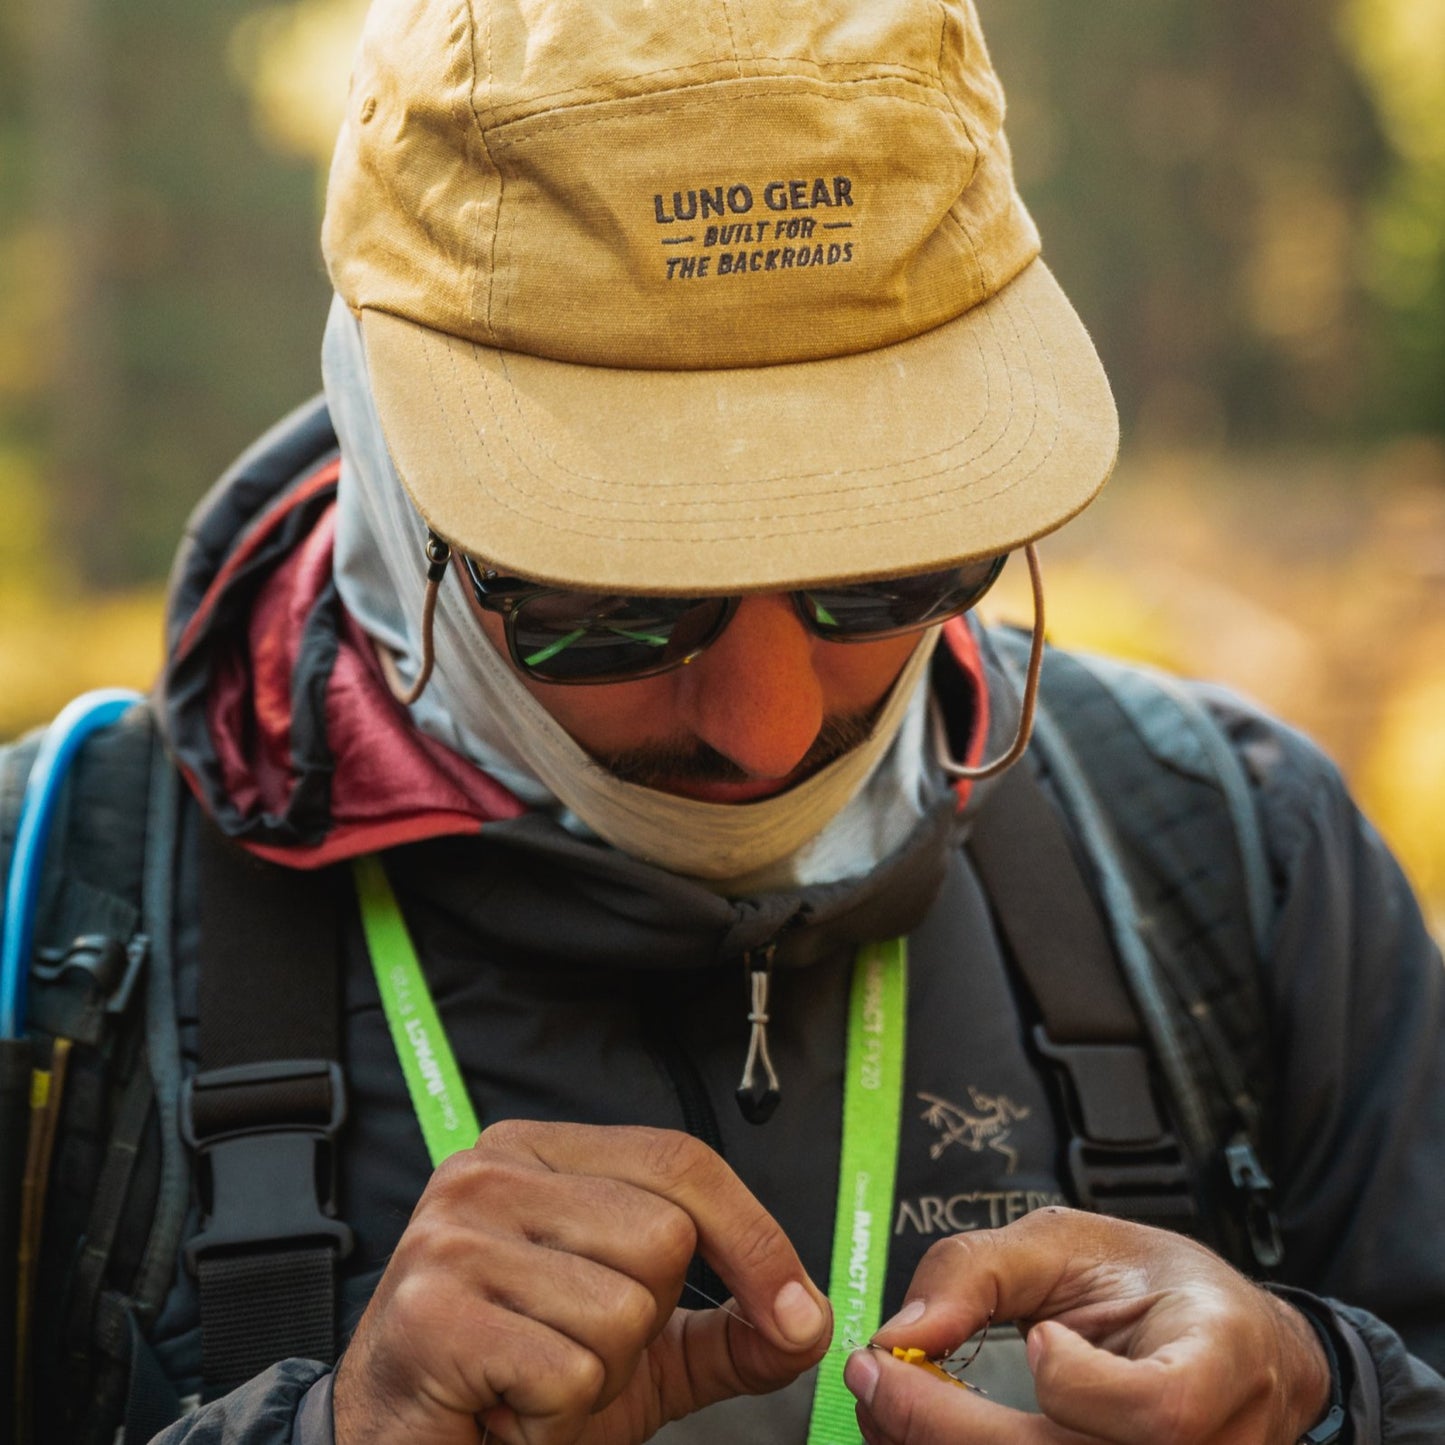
pixel 1097 1392
pixel 712 1355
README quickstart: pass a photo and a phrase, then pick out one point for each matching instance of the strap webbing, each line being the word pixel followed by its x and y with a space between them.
pixel 111 1190
pixel 241 1297
pixel 1123 1158
pixel 270 988
pixel 270 991
pixel 1055 934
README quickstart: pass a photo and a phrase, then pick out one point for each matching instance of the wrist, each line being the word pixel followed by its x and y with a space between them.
pixel 1330 1430
pixel 1316 1393
pixel 1309 1376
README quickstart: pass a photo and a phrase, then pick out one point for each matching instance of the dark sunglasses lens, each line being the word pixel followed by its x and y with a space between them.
pixel 600 637
pixel 899 604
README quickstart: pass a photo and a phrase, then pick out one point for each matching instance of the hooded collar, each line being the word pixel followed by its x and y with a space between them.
pixel 273 702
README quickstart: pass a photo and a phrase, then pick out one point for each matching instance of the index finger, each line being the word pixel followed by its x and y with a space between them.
pixel 736 1235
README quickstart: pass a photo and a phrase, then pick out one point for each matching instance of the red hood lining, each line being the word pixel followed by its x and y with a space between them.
pixel 389 784
pixel 324 477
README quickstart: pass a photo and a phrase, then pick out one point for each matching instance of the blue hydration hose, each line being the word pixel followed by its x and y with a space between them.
pixel 76 722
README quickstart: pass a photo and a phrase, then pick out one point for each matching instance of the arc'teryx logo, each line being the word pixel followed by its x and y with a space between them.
pixel 988 1128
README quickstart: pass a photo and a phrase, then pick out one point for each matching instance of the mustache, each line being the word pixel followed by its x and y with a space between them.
pixel 694 761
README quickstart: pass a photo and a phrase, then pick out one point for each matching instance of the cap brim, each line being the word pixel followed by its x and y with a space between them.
pixel 968 440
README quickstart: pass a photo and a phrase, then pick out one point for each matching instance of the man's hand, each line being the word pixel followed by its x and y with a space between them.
pixel 534 1296
pixel 1135 1337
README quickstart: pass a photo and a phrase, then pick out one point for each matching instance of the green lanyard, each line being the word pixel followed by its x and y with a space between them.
pixel 448 1121
pixel 872 1108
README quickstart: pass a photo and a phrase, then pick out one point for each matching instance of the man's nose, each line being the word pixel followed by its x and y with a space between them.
pixel 754 695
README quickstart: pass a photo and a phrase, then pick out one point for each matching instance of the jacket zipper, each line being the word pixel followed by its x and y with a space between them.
pixel 699 1119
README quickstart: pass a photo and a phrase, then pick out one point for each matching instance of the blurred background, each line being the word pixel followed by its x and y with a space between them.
pixel 1244 199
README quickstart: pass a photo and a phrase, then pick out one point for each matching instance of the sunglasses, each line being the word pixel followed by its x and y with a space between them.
pixel 562 636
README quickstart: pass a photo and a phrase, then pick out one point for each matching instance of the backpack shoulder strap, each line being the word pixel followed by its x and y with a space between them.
pixel 104 1055
pixel 1123 1157
pixel 263 1114
pixel 1160 807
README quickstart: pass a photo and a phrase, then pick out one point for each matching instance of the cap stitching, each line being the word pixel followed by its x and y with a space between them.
pixel 793 517
pixel 732 39
pixel 747 25
pixel 491 72
pixel 554 126
pixel 821 67
pixel 966 502
pixel 496 170
pixel 502 253
pixel 973 251
pixel 952 103
pixel 585 477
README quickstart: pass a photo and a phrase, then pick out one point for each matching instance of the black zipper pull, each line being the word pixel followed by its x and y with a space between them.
pixel 758 1098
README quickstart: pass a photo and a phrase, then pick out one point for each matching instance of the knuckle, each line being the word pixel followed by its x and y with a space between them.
pixel 419 1303
pixel 434 1245
pixel 581 1377
pixel 451 1174
pixel 508 1136
pixel 671 1238
pixel 675 1159
pixel 474 1183
pixel 632 1309
pixel 756 1244
pixel 952 1252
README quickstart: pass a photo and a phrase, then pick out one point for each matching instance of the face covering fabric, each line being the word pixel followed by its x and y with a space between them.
pixel 837 824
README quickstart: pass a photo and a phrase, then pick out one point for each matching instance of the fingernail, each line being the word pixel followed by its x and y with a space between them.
pixel 910 1314
pixel 798 1315
pixel 1035 1347
pixel 860 1375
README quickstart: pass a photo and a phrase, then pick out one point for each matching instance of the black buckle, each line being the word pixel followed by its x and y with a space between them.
pixel 265 1136
pixel 1123 1159
pixel 1144 1182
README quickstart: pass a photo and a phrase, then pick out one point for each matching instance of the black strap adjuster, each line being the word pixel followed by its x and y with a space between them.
pixel 1123 1159
pixel 264 1136
pixel 1150 1183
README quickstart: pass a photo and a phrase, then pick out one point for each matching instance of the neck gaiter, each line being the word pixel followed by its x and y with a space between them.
pixel 836 824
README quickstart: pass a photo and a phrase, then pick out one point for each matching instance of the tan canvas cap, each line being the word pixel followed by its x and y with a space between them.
pixel 713 296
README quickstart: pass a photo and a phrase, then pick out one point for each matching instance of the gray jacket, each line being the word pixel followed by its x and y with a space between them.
pixel 577 984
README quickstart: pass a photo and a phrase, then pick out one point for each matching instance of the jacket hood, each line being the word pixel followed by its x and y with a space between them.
pixel 272 702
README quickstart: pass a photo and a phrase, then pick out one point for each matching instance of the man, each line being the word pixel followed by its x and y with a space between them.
pixel 693 368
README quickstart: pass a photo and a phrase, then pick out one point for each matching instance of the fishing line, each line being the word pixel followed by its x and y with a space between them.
pixel 717 1304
